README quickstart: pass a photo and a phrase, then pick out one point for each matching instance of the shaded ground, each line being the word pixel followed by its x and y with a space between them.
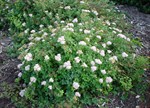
pixel 141 29
pixel 8 69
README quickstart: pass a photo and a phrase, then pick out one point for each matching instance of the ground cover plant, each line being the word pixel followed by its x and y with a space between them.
pixel 73 52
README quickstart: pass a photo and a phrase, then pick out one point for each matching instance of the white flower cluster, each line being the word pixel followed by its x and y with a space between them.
pixel 82 43
pixel 67 65
pixel 113 59
pixel 76 85
pixel 77 59
pixel 32 79
pixel 37 67
pixel 46 58
pixel 58 57
pixel 123 36
pixel 108 80
pixel 28 57
pixel 61 40
pixel 69 26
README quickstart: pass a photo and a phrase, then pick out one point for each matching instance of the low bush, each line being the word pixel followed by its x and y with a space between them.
pixel 72 52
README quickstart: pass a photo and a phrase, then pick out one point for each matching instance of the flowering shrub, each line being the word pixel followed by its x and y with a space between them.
pixel 71 53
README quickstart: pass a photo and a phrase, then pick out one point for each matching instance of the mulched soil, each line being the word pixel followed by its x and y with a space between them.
pixel 141 29
pixel 8 69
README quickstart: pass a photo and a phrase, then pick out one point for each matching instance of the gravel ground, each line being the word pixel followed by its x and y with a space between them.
pixel 141 29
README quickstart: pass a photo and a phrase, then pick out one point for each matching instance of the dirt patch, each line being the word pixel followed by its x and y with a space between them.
pixel 141 27
pixel 8 69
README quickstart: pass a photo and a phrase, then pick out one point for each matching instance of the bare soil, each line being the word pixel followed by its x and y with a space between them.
pixel 8 69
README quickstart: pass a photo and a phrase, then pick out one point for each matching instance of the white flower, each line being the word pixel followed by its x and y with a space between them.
pixel 27 67
pixel 117 30
pixel 83 10
pixel 113 59
pixel 109 43
pixel 26 31
pixel 138 96
pixel 95 12
pixel 70 24
pixel 92 63
pixel 128 39
pixel 62 22
pixel 28 57
pixel 77 59
pixel 46 11
pixel 101 80
pixel 67 65
pixel 80 30
pixel 37 67
pixel 98 61
pixel 51 80
pixel 50 87
pixel 103 71
pixel 99 37
pixel 104 45
pixel 24 24
pixel 82 43
pixel 122 36
pixel 30 15
pixel 46 57
pixel 43 83
pixel 76 85
pixel 32 31
pixel 84 65
pixel 38 38
pixel 32 79
pixel 93 68
pixel 77 94
pixel 108 23
pixel 80 24
pixel 114 32
pixel 109 51
pixel 19 74
pixel 45 34
pixel 19 66
pixel 58 57
pixel 61 40
pixel 75 20
pixel 109 79
pixel 41 26
pixel 87 31
pixel 88 39
pixel 70 29
pixel 79 52
pixel 30 44
pixel 53 34
pixel 82 2
pixel 22 92
pixel 94 48
pixel 124 54
pixel 67 8
pixel 102 53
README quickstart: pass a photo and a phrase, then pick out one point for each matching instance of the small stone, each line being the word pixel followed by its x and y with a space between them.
pixel 0 49
pixel 137 107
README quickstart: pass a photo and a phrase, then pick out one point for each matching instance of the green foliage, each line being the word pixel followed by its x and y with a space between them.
pixel 72 53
